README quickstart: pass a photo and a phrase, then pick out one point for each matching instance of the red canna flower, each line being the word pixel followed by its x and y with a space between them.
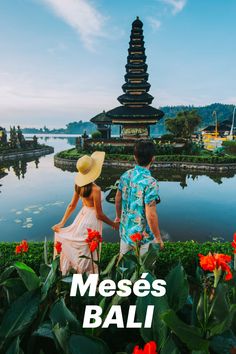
pixel 93 246
pixel 18 249
pixel 149 348
pixel 216 263
pixel 93 239
pixel 25 246
pixel 208 262
pixel 58 247
pixel 228 276
pixel 234 243
pixel 137 237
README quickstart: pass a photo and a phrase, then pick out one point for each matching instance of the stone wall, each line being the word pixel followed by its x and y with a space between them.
pixel 27 153
pixel 71 165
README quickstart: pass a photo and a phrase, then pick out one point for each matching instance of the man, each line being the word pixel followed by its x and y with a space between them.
pixel 136 200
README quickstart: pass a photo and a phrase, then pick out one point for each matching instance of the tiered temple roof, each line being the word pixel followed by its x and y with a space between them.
pixel 136 100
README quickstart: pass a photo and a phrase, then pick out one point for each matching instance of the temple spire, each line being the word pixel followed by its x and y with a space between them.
pixel 136 87
pixel 135 113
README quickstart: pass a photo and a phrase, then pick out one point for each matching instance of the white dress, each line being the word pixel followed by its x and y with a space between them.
pixel 74 245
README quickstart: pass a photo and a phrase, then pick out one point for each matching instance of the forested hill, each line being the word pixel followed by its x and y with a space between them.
pixel 223 111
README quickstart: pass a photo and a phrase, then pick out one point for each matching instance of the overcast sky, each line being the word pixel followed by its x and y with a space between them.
pixel 64 60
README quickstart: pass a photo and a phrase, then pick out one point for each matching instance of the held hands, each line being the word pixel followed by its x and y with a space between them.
pixel 57 227
pixel 116 223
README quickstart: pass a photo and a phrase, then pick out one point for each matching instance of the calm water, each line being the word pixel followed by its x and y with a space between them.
pixel 34 195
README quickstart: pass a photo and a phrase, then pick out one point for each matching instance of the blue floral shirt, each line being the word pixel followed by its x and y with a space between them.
pixel 138 188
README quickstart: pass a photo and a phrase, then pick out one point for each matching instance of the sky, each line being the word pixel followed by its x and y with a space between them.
pixel 64 60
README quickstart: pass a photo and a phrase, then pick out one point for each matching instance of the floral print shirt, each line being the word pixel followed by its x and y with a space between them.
pixel 138 188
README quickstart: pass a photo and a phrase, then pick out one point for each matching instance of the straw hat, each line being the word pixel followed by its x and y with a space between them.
pixel 89 168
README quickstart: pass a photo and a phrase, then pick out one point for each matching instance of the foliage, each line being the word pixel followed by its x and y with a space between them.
pixel 230 146
pixel 73 154
pixel 37 315
pixel 96 135
pixel 185 252
pixel 184 124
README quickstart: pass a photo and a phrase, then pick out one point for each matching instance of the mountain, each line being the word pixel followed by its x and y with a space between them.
pixel 223 111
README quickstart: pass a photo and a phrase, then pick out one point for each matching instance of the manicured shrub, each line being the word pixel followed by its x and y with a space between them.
pixel 96 135
pixel 185 252
pixel 73 154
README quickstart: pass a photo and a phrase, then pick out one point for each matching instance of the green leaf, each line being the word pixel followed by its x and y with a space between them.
pixel 44 330
pixel 224 325
pixel 51 278
pixel 223 343
pixel 159 329
pixel 29 277
pixel 14 288
pixel 84 345
pixel 149 258
pixel 170 347
pixel 14 347
pixel 44 271
pixel 61 315
pixel 62 335
pixel 189 335
pixel 6 273
pixel 20 315
pixel 110 265
pixel 177 288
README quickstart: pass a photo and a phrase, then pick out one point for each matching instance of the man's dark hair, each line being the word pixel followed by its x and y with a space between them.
pixel 144 150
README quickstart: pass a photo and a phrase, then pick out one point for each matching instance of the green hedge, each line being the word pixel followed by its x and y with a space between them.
pixel 230 146
pixel 73 154
pixel 186 252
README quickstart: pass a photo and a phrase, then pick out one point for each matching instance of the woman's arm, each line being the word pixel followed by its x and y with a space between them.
pixel 69 210
pixel 98 207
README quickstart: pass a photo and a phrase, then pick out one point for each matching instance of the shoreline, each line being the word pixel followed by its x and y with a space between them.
pixel 17 155
pixel 71 164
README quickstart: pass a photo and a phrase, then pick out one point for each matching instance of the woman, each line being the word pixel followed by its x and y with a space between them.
pixel 73 237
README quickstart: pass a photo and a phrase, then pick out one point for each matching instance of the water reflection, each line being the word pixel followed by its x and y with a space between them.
pixel 19 167
pixel 195 205
pixel 110 178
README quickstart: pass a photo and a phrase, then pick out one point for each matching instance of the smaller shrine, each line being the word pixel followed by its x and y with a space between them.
pixel 103 123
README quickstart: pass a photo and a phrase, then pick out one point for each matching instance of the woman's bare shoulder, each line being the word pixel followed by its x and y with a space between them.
pixel 96 188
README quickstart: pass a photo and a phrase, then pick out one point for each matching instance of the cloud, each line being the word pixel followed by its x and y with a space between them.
pixel 154 23
pixel 58 47
pixel 176 5
pixel 82 16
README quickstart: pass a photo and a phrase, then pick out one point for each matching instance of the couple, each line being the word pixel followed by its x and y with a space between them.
pixel 136 200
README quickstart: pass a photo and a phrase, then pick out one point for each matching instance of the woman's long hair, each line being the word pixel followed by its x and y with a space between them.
pixel 84 191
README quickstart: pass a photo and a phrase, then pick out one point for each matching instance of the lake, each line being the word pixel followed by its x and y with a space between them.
pixel 34 195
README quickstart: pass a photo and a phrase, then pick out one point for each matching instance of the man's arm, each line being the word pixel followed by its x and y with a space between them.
pixel 118 200
pixel 152 219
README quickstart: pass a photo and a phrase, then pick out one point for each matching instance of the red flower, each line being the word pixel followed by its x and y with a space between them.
pixel 93 246
pixel 228 276
pixel 215 263
pixel 25 246
pixel 58 247
pixel 137 237
pixel 234 243
pixel 208 262
pixel 93 239
pixel 149 348
pixel 18 249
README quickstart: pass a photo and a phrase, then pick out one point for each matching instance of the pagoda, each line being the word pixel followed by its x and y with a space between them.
pixel 135 115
